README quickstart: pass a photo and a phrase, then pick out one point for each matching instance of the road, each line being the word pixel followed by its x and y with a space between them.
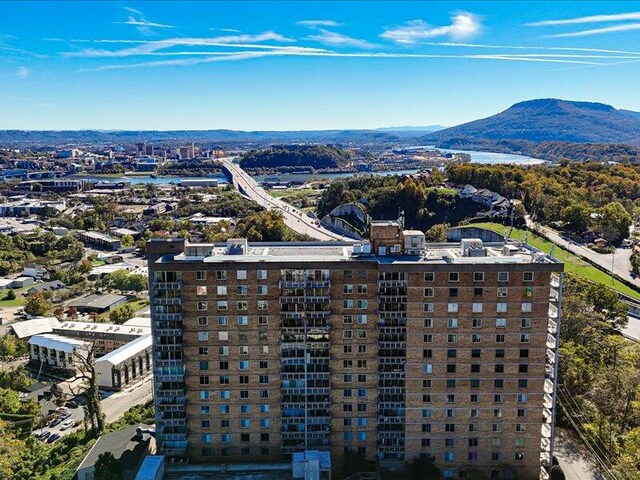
pixel 575 464
pixel 619 260
pixel 632 330
pixel 293 218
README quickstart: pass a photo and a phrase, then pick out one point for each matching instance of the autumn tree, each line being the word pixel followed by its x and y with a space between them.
pixel 37 305
pixel 88 387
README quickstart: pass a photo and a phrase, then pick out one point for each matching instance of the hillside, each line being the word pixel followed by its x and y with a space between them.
pixel 314 156
pixel 550 120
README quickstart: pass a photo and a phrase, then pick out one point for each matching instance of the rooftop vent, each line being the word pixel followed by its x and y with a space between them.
pixel 472 247
pixel 237 246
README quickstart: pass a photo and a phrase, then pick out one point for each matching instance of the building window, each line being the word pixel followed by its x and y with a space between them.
pixel 428 307
pixel 221 275
pixel 222 305
pixel 427 368
pixel 452 338
pixel 476 323
pixel 502 292
pixel 476 338
pixel 263 304
pixel 201 290
pixel 427 338
pixel 500 338
pixel 428 323
pixel 221 290
pixel 453 292
pixel 242 305
pixel 501 322
pixel 429 276
pixel 362 304
pixel 501 307
pixel 428 292
pixel 452 308
pixel 262 290
pixel 525 337
pixel 204 395
pixel 526 308
pixel 203 321
pixel 478 276
pixel 347 288
pixel 503 276
pixel 347 303
pixel 361 319
pixel 452 322
pixel 223 320
pixel 362 288
pixel 527 276
pixel 241 274
pixel 223 336
pixel 223 351
pixel 243 364
pixel 242 290
pixel 454 276
pixel 203 336
pixel 243 320
pixel 478 292
pixel 261 274
pixel 201 275
pixel 477 308
pixel 201 306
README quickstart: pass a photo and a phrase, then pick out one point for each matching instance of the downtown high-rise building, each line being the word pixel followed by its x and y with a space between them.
pixel 389 349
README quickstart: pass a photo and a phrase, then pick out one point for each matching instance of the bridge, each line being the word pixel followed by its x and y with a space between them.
pixel 295 219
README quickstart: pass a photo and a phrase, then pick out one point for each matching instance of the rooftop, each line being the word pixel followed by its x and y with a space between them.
pixel 57 342
pixel 125 352
pixel 97 301
pixel 124 446
pixel 432 253
pixel 39 325
pixel 76 326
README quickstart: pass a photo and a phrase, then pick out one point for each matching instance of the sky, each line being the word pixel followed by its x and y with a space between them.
pixel 306 65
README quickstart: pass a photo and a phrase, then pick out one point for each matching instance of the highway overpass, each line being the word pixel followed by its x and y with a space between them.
pixel 295 219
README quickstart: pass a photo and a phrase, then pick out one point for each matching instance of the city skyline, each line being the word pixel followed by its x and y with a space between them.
pixel 306 66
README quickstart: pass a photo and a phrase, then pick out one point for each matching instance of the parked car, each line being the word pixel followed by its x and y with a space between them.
pixel 62 409
pixel 46 434
pixel 55 422
pixel 64 416
pixel 66 425
pixel 53 438
pixel 72 404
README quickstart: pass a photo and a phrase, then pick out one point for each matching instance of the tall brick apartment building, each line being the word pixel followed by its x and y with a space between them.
pixel 391 349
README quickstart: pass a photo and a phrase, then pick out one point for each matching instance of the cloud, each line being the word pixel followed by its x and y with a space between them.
pixel 23 72
pixel 318 23
pixel 145 23
pixel 247 55
pixel 148 47
pixel 529 47
pixel 463 25
pixel 335 39
pixel 231 30
pixel 599 31
pixel 590 19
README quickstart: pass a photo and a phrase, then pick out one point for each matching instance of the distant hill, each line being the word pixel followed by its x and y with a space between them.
pixel 49 138
pixel 550 119
pixel 428 128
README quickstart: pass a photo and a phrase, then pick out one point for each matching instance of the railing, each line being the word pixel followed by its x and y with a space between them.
pixel 175 317
pixel 168 301
pixel 392 283
pixel 167 285
pixel 169 332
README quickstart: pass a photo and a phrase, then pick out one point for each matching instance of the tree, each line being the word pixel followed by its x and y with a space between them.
pixel 613 222
pixel 37 305
pixel 437 233
pixel 11 294
pixel 576 218
pixel 12 347
pixel 107 468
pixel 121 314
pixel 88 387
pixel 127 240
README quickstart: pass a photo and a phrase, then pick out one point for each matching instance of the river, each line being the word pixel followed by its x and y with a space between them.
pixel 476 157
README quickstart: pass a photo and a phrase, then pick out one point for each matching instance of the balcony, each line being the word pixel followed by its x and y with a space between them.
pixel 318 299
pixel 293 299
pixel 168 377
pixel 169 347
pixel 392 283
pixel 169 332
pixel 292 315
pixel 174 451
pixel 168 363
pixel 168 301
pixel 174 422
pixel 292 283
pixel 319 315
pixel 318 284
pixel 170 393
pixel 167 285
pixel 171 317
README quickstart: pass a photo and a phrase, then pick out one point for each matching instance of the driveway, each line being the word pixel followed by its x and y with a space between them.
pixel 575 463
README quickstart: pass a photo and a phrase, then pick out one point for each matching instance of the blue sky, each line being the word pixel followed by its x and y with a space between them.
pixel 306 65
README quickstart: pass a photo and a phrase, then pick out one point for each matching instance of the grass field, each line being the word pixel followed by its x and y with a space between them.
pixel 16 302
pixel 572 263
pixel 292 192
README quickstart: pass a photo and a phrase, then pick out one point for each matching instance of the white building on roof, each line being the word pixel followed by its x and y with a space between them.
pixel 57 351
pixel 126 364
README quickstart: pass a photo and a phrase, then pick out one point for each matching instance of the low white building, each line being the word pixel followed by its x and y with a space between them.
pixel 57 351
pixel 126 364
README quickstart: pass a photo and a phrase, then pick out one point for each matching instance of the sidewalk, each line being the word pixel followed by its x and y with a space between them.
pixel 574 459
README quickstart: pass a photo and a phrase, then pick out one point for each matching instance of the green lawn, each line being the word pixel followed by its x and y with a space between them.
pixel 16 302
pixel 443 190
pixel 292 192
pixel 572 263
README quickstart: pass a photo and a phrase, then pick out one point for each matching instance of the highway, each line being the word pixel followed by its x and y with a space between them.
pixel 293 218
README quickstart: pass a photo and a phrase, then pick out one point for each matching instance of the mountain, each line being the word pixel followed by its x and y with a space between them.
pixel 49 138
pixel 550 119
pixel 428 128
